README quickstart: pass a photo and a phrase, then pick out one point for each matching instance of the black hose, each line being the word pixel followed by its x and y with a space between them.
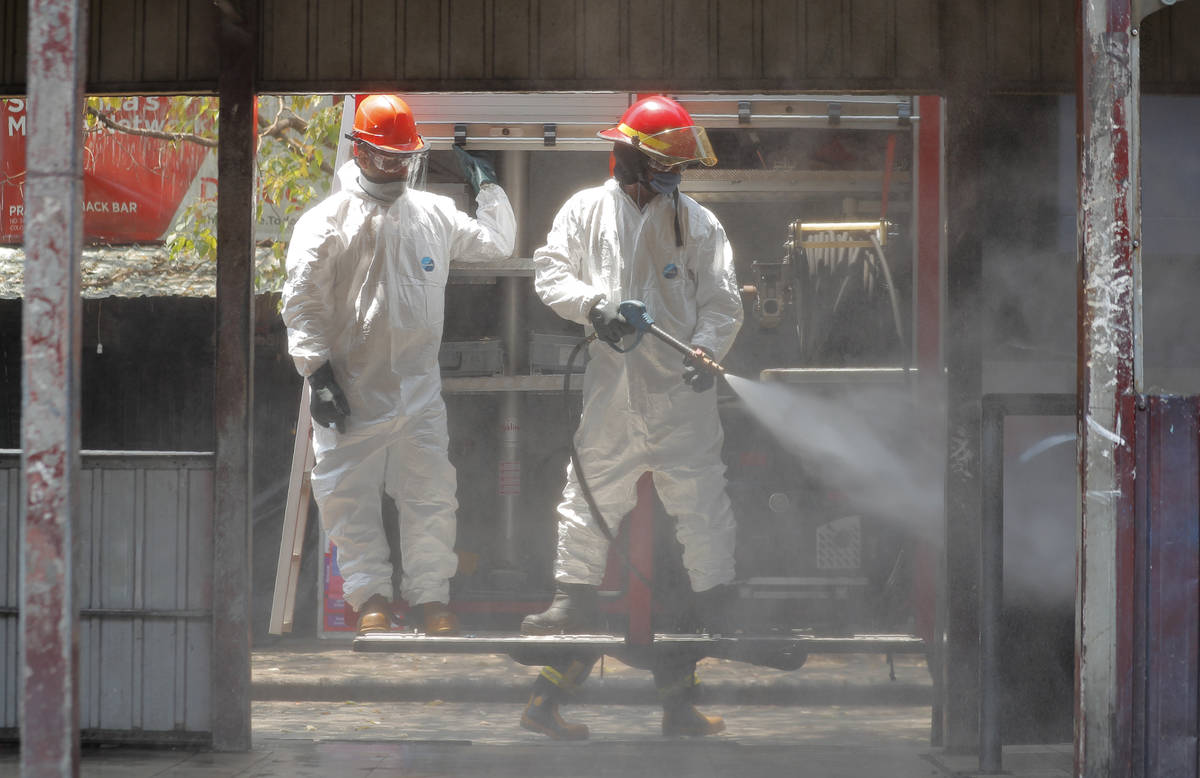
pixel 593 509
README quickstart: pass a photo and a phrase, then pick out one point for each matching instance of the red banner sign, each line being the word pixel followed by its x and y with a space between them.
pixel 133 185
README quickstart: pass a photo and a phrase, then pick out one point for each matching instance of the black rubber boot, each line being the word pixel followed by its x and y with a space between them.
pixel 573 611
pixel 714 610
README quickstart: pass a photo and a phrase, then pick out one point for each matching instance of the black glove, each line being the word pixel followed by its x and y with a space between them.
pixel 699 379
pixel 477 170
pixel 327 403
pixel 610 326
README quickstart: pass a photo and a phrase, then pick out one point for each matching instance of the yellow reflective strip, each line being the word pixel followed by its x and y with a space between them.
pixel 643 138
pixel 553 676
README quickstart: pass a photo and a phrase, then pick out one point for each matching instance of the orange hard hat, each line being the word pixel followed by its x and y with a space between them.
pixel 385 122
pixel 663 129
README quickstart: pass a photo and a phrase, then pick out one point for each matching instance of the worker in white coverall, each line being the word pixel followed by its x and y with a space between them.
pixel 636 237
pixel 363 304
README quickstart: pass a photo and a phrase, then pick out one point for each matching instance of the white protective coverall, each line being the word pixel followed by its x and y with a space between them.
pixel 366 292
pixel 638 414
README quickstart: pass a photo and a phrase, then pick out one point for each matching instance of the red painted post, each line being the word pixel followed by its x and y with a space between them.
pixel 1109 224
pixel 927 342
pixel 49 619
pixel 641 554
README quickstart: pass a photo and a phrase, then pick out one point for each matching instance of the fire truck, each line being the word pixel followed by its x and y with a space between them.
pixel 833 208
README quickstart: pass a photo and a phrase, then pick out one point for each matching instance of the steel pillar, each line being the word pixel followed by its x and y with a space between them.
pixel 509 573
pixel 49 618
pixel 232 401
pixel 1108 235
pixel 966 116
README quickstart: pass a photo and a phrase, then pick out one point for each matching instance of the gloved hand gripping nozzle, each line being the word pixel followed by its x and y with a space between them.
pixel 634 312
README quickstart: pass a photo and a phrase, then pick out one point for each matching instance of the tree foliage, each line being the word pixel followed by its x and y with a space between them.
pixel 297 144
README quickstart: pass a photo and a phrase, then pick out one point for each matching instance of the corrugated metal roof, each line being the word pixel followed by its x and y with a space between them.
pixel 130 271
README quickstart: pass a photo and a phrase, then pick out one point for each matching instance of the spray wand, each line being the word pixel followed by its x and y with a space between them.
pixel 636 314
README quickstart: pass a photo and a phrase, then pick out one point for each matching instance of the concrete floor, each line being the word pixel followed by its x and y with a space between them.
pixel 478 740
pixel 319 710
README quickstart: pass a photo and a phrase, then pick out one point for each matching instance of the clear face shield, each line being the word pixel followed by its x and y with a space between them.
pixel 381 165
pixel 676 149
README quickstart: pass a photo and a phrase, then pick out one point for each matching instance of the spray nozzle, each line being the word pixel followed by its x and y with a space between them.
pixel 634 312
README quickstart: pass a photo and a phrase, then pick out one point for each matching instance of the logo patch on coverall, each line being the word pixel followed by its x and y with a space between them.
pixel 427 264
pixel 670 271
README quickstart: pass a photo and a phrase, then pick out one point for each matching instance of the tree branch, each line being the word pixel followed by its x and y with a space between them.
pixel 185 137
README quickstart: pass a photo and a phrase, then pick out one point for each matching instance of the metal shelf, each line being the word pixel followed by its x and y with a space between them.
pixel 545 383
pixel 521 267
pixel 748 185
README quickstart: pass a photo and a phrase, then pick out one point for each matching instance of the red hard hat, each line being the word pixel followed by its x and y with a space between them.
pixel 385 122
pixel 663 129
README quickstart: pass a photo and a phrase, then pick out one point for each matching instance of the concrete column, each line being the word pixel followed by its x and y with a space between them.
pixel 49 619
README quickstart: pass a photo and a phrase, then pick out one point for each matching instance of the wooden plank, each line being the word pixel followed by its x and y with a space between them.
pixel 10 689
pixel 377 55
pixel 199 525
pixel 285 42
pixel 1184 21
pixel 1057 44
pixel 161 572
pixel 468 39
pixel 90 673
pixel 10 32
pixel 203 58
pixel 556 20
pixel 1013 45
pixel 116 666
pixel 1154 42
pixel 161 23
pixel 113 41
pixel 602 36
pixel 422 42
pixel 158 673
pixel 199 701
pixel 872 39
pixel 10 536
pixel 113 532
pixel 737 48
pixel 781 50
pixel 515 48
pixel 647 39
pixel 335 42
pixel 918 53
pixel 10 596
pixel 824 38
pixel 295 519
pixel 690 46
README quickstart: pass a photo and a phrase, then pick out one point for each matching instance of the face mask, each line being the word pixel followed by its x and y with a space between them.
pixel 384 192
pixel 664 183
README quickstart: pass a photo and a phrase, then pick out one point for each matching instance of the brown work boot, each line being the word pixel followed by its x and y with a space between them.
pixel 375 615
pixel 439 620
pixel 688 721
pixel 541 715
